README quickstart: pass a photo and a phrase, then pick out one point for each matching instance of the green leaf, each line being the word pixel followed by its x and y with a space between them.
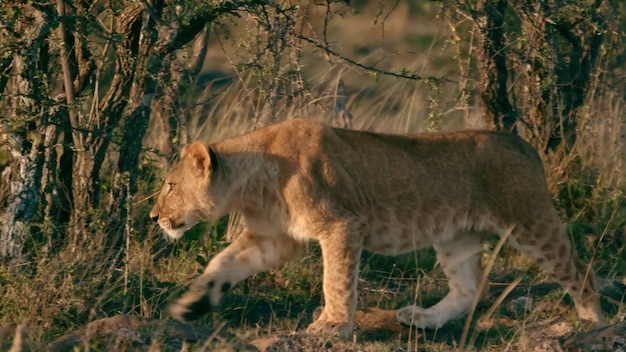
pixel 201 260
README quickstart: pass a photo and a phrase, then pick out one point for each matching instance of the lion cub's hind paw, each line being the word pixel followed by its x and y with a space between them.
pixel 325 327
pixel 417 317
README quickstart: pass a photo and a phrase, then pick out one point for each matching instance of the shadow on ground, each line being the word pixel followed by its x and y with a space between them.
pixel 133 333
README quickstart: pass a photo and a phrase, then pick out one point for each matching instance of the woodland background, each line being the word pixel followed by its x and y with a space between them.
pixel 97 97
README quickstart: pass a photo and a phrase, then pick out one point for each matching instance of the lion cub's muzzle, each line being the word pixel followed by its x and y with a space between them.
pixel 155 213
pixel 172 229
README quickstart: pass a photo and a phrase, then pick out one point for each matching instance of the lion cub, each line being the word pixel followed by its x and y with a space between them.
pixel 301 180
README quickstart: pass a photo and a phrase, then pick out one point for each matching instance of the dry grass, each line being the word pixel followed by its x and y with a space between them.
pixel 59 291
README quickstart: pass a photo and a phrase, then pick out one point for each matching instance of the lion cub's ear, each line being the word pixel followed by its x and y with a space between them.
pixel 204 158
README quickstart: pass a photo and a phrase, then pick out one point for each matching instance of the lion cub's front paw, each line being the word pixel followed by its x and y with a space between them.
pixel 417 317
pixel 343 330
pixel 199 300
pixel 186 309
pixel 191 305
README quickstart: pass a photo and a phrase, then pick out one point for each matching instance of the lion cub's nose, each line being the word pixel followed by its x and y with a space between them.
pixel 154 217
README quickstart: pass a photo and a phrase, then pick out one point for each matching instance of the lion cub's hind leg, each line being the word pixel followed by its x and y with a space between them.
pixel 247 255
pixel 460 259
pixel 545 240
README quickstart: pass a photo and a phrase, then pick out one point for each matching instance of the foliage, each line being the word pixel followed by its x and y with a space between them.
pixel 98 98
pixel 540 62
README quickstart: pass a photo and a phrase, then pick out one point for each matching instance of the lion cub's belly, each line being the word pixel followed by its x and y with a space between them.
pixel 406 225
pixel 395 234
pixel 395 238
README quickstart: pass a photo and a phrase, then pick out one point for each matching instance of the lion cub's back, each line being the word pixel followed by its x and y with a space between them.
pixel 418 188
pixel 379 157
pixel 445 157
pixel 419 185
pixel 361 164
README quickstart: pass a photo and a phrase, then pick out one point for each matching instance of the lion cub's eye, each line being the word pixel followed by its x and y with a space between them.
pixel 170 186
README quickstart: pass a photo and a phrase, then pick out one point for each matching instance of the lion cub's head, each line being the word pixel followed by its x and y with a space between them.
pixel 185 197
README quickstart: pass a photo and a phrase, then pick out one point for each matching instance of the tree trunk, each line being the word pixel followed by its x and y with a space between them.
pixel 174 108
pixel 151 55
pixel 553 48
pixel 25 141
pixel 499 111
pixel 23 179
pixel 134 128
pixel 65 157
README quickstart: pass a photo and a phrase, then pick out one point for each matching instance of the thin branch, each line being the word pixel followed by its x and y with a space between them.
pixel 200 49
pixel 414 77
pixel 155 16
pixel 4 75
pixel 386 17
pixel 183 35
pixel 68 79
pixel 501 114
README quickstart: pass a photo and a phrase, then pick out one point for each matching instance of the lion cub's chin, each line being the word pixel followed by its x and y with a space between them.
pixel 177 233
pixel 173 234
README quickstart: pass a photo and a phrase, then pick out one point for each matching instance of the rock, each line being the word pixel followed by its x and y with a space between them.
pixel 274 343
pixel 520 305
pixel 298 342
pixel 543 336
pixel 128 332
pixel 608 338
pixel 559 336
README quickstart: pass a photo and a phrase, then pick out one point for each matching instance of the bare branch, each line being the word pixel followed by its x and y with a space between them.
pixel 177 37
pixel 200 48
pixel 413 77
pixel 18 344
pixel 4 76
pixel 492 63
pixel 68 79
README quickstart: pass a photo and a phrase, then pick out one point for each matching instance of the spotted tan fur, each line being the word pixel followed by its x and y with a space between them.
pixel 300 180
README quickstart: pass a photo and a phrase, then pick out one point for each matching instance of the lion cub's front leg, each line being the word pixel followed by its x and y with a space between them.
pixel 341 264
pixel 247 255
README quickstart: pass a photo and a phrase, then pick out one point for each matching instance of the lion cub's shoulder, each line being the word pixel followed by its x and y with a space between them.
pixel 292 135
pixel 294 125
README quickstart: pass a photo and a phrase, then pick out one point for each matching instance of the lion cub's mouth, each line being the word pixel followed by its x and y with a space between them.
pixel 176 230
pixel 179 226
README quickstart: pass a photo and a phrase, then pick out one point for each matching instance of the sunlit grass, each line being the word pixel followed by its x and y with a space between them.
pixel 60 291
